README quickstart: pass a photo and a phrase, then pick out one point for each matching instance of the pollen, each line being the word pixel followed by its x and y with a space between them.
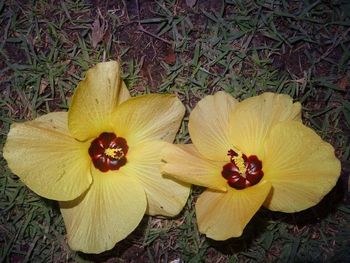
pixel 115 153
pixel 239 162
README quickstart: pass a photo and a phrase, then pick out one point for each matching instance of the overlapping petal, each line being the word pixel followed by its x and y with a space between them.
pixel 209 125
pixel 165 196
pixel 224 215
pixel 47 159
pixel 253 118
pixel 185 163
pixel 108 212
pixel 148 117
pixel 94 100
pixel 300 165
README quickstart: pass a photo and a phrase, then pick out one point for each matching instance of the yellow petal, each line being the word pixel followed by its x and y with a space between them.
pixel 186 164
pixel 94 100
pixel 301 167
pixel 149 117
pixel 165 196
pixel 124 93
pixel 254 117
pixel 108 212
pixel 209 125
pixel 224 215
pixel 47 159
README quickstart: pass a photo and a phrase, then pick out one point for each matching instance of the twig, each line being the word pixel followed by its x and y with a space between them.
pixel 155 36
pixel 142 29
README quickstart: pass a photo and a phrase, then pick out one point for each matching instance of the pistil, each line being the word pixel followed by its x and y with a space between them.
pixel 239 162
pixel 115 153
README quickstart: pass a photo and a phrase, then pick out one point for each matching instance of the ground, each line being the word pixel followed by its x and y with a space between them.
pixel 189 48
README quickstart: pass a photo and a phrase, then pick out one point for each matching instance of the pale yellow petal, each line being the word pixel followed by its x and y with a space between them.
pixel 165 196
pixel 149 117
pixel 224 215
pixel 124 93
pixel 107 213
pixel 47 159
pixel 254 117
pixel 94 100
pixel 185 163
pixel 209 125
pixel 301 167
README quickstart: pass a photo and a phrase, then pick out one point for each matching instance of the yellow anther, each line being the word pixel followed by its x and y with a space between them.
pixel 115 153
pixel 239 162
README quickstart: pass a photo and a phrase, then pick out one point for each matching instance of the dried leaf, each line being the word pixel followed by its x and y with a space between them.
pixel 99 28
pixel 43 85
pixel 191 3
pixel 170 58
pixel 343 83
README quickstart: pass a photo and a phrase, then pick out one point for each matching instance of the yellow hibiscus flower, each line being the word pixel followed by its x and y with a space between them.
pixel 250 153
pixel 101 159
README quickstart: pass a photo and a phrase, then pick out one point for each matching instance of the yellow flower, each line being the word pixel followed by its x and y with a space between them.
pixel 101 159
pixel 250 153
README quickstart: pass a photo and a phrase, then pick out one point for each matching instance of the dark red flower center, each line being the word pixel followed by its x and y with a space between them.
pixel 242 171
pixel 108 152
